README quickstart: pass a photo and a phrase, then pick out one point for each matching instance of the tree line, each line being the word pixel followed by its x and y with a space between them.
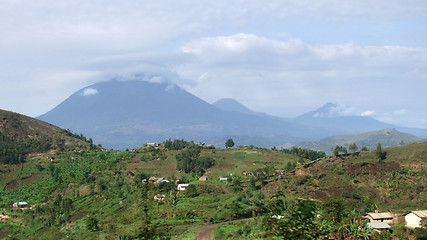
pixel 12 151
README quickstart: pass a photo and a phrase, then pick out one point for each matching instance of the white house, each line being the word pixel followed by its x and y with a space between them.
pixel 21 205
pixel 413 219
pixel 182 186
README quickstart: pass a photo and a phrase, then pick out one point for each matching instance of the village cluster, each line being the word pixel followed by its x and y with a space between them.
pixel 378 221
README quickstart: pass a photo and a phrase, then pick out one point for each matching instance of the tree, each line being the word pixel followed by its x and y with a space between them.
pixel 353 148
pixel 340 150
pixel 229 143
pixel 191 191
pixel 299 221
pixel 92 224
pixel 381 155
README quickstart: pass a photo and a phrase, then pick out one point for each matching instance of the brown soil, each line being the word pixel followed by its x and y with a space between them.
pixel 77 216
pixel 12 185
pixel 132 166
pixel 373 168
pixel 31 179
pixel 320 195
pixel 205 232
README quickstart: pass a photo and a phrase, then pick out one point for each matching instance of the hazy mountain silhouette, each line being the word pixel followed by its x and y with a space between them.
pixel 126 114
pixel 335 118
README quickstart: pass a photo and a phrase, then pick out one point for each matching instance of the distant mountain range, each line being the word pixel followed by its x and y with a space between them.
pixel 387 137
pixel 127 114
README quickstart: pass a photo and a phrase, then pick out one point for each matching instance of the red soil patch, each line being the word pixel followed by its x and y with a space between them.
pixel 132 166
pixel 15 184
pixel 33 178
pixel 12 185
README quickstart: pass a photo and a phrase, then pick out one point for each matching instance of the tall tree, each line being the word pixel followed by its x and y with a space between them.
pixel 229 143
pixel 353 148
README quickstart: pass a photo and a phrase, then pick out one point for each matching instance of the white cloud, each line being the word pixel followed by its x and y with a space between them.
pixel 281 57
pixel 89 92
pixel 367 113
pixel 291 77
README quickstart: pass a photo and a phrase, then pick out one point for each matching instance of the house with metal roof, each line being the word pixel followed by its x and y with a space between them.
pixel 21 205
pixel 182 186
pixel 380 217
pixel 413 219
pixel 379 226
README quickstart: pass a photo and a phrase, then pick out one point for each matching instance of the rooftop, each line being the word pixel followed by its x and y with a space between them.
pixel 420 213
pixel 380 215
pixel 378 225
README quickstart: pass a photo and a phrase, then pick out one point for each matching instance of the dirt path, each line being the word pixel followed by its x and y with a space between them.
pixel 205 232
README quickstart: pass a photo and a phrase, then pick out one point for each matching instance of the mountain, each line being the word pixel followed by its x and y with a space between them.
pixel 229 104
pixel 335 118
pixel 126 114
pixel 387 138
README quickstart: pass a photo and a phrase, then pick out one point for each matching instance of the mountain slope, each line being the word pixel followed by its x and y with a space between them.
pixel 334 117
pixel 126 114
pixel 387 137
pixel 232 105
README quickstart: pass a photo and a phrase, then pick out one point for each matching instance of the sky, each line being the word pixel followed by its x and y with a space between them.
pixel 281 57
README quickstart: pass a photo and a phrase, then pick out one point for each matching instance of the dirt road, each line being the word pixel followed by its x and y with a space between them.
pixel 205 232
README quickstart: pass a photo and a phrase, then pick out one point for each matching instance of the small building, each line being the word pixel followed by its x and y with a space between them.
pixel 378 226
pixel 154 145
pixel 413 219
pixel 4 217
pixel 152 179
pixel 203 178
pixel 248 174
pixel 159 197
pixel 223 179
pixel 380 217
pixel 160 180
pixel 20 205
pixel 182 186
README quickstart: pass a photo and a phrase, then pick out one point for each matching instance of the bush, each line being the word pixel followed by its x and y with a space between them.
pixel 420 233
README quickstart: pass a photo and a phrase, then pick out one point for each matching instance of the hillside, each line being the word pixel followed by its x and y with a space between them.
pixel 96 194
pixel 387 138
pixel 29 130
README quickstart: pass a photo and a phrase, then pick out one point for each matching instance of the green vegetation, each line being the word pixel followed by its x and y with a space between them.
pixel 381 155
pixel 189 160
pixel 84 192
pixel 304 153
pixel 229 143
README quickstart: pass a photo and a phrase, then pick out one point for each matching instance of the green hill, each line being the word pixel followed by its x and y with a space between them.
pixel 84 193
